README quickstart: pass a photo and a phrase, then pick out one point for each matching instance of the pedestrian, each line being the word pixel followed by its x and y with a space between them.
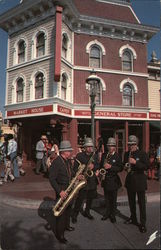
pixel 157 174
pixel 60 175
pixel 40 154
pixel 152 166
pixel 7 171
pixel 89 192
pixel 20 163
pixel 112 165
pixel 12 154
pixel 136 162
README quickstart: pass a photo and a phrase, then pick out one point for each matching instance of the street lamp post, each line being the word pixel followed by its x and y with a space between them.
pixel 93 86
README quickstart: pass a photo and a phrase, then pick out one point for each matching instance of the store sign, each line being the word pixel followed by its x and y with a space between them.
pixel 30 111
pixel 64 110
pixel 111 114
pixel 154 115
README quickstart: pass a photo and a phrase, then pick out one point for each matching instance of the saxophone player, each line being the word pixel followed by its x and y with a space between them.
pixel 112 164
pixel 89 191
pixel 136 182
pixel 60 174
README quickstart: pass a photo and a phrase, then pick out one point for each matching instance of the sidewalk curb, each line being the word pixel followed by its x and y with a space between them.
pixel 35 204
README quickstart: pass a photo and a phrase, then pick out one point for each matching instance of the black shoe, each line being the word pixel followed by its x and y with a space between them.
pixel 113 219
pixel 37 173
pixel 105 217
pixel 61 239
pixel 88 215
pixel 70 228
pixel 142 229
pixel 74 219
pixel 130 221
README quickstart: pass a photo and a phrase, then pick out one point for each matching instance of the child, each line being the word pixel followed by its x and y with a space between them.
pixel 19 162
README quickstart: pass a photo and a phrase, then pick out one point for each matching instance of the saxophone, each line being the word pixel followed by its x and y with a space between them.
pixel 74 187
pixel 128 165
pixel 103 171
pixel 71 191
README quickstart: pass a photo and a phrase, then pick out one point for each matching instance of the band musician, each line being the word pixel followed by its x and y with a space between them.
pixel 60 174
pixel 112 164
pixel 89 192
pixel 136 162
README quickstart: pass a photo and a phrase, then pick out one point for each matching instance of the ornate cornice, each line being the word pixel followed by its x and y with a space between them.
pixel 30 12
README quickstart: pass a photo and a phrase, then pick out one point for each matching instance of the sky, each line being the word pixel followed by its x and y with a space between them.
pixel 147 11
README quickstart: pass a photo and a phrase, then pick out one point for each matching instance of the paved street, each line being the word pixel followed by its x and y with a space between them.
pixel 27 229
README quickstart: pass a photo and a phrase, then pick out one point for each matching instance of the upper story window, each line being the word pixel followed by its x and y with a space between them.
pixel 19 90
pixel 40 44
pixel 21 51
pixel 128 95
pixel 96 51
pixel 95 57
pixel 127 61
pixel 39 86
pixel 98 98
pixel 64 45
pixel 127 54
pixel 64 87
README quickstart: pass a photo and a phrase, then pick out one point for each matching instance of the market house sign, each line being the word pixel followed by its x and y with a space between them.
pixel 30 111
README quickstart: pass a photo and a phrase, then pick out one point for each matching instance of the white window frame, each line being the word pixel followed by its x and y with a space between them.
pixel 34 41
pixel 134 87
pixel 102 50
pixel 15 50
pixel 14 89
pixel 133 55
pixel 102 88
pixel 32 84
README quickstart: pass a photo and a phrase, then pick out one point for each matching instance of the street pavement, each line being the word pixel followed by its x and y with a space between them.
pixel 27 219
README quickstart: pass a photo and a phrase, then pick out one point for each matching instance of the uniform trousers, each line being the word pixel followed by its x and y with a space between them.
pixel 89 195
pixel 62 222
pixel 142 205
pixel 111 200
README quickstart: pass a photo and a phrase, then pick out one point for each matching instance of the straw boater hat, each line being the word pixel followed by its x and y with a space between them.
pixel 65 146
pixel 111 141
pixel 132 140
pixel 88 142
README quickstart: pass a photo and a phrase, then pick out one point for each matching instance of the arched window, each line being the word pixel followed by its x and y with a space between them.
pixel 64 87
pixel 19 90
pixel 127 60
pixel 64 45
pixel 21 51
pixel 95 57
pixel 98 98
pixel 39 86
pixel 40 44
pixel 128 95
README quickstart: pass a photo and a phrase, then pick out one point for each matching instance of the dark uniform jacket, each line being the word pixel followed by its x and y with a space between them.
pixel 136 180
pixel 112 180
pixel 60 174
pixel 84 159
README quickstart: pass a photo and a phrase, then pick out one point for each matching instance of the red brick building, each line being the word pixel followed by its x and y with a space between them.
pixel 52 48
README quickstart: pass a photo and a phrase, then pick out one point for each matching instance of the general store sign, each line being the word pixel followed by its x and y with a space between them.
pixel 30 111
pixel 111 114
